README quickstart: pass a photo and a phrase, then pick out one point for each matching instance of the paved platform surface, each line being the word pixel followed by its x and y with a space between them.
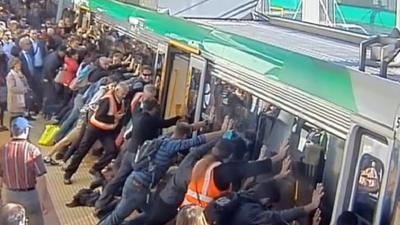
pixel 60 193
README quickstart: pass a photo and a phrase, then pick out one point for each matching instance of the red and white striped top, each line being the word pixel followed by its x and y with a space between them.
pixel 20 163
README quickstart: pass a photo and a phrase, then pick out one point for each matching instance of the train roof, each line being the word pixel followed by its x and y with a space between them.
pixel 316 65
pixel 325 48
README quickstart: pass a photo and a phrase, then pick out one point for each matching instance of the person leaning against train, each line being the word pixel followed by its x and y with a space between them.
pixel 103 125
pixel 22 173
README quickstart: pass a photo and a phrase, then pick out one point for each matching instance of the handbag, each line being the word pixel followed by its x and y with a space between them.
pixel 59 77
pixel 47 138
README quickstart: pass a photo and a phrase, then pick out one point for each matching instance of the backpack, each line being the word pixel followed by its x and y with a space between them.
pixel 146 153
pixel 220 211
pixel 82 77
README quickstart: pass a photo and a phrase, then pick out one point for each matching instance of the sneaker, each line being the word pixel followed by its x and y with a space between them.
pixel 63 166
pixel 67 181
pixel 96 173
pixel 47 159
pixel 54 162
pixel 30 118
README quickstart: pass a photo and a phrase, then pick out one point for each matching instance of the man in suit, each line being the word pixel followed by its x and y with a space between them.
pixel 28 69
pixel 38 54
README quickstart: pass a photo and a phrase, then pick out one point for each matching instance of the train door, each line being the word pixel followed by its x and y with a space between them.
pixel 160 66
pixel 368 170
pixel 84 18
pixel 176 80
pixel 316 157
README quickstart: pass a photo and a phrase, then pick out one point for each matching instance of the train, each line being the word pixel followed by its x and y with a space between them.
pixel 342 124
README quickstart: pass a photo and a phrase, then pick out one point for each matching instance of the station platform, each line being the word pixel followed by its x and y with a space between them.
pixel 60 193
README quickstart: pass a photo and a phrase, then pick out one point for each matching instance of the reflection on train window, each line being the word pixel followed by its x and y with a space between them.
pixel 207 95
pixel 368 187
pixel 193 92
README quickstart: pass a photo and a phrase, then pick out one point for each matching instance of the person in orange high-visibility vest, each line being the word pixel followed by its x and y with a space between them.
pixel 202 188
pixel 213 176
pixel 103 125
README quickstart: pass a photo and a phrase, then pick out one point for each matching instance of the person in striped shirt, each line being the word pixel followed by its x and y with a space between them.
pixel 22 173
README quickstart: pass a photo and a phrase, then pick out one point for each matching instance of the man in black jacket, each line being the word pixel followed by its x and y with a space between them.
pixel 251 208
pixel 146 126
pixel 52 63
pixel 101 70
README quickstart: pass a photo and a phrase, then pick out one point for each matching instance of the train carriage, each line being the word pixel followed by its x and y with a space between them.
pixel 341 123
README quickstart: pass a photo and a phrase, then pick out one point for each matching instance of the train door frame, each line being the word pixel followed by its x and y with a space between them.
pixel 172 48
pixel 197 63
pixel 348 178
pixel 162 49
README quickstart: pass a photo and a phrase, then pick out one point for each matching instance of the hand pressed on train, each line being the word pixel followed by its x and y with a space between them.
pixel 316 198
pixel 225 124
pixel 317 217
pixel 286 167
pixel 282 153
pixel 211 116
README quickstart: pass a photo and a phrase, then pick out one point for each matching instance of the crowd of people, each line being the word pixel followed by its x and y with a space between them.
pixel 99 87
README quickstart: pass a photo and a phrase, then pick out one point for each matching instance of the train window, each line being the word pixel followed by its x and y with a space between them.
pixel 231 101
pixel 193 92
pixel 368 184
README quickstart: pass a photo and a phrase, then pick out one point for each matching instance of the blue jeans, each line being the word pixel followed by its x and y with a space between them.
pixel 67 125
pixel 112 187
pixel 133 197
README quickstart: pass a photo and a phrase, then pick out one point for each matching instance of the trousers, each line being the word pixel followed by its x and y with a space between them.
pixel 91 135
pixel 133 197
pixel 113 186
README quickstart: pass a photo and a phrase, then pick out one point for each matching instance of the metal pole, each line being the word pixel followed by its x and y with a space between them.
pixel 60 9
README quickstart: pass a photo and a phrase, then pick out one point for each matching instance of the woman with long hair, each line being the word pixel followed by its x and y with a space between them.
pixel 191 215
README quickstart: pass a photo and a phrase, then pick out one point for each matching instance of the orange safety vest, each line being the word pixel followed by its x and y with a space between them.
pixel 111 112
pixel 204 190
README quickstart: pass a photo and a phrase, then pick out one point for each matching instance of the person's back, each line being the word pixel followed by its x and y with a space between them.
pixel 146 124
pixel 22 173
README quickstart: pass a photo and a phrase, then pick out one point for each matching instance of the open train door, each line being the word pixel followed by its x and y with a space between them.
pixel 370 172
pixel 176 79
